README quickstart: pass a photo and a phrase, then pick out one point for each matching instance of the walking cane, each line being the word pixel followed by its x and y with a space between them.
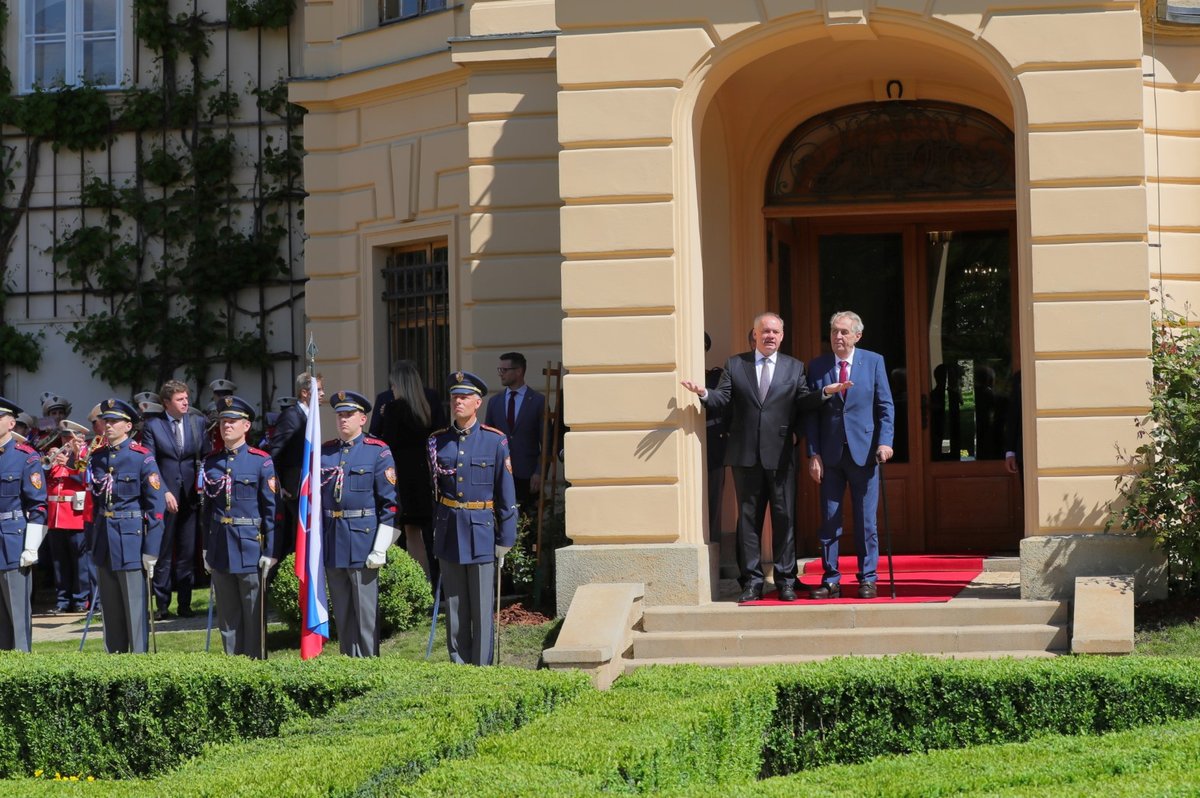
pixel 150 610
pixel 262 609
pixel 887 527
pixel 437 597
pixel 91 612
pixel 208 629
pixel 496 619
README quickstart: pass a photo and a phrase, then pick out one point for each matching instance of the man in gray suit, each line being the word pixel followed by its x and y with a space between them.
pixel 767 391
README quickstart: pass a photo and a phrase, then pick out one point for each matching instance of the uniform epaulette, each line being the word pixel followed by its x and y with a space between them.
pixel 258 452
pixel 134 446
pixel 439 431
pixel 332 442
pixel 374 441
pixel 25 447
pixel 499 432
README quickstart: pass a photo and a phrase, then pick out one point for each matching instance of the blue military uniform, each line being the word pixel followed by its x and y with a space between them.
pixel 475 511
pixel 240 490
pixel 358 502
pixel 126 531
pixel 22 527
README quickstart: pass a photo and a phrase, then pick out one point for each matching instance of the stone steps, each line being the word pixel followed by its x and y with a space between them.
pixel 724 634
pixel 745 662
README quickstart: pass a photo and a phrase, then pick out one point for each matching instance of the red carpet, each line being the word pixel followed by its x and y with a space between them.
pixel 919 578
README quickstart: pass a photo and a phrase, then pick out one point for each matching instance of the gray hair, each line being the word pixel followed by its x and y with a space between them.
pixel 855 320
pixel 767 315
pixel 302 382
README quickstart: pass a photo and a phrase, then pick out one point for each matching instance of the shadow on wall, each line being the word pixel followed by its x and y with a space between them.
pixel 675 419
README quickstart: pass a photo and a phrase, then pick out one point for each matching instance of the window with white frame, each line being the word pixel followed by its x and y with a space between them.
pixel 70 42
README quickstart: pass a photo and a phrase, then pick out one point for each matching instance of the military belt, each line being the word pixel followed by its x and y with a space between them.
pixel 121 514
pixel 368 511
pixel 11 515
pixel 59 498
pixel 232 521
pixel 466 505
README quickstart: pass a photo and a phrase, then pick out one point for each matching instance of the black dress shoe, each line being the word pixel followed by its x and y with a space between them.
pixel 752 593
pixel 186 612
pixel 787 593
pixel 56 610
pixel 867 590
pixel 162 615
pixel 827 590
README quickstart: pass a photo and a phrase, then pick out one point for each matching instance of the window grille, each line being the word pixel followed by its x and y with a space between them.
pixel 416 295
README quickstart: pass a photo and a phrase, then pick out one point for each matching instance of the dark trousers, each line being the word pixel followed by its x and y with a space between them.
pixel 72 568
pixel 757 488
pixel 716 491
pixel 176 566
pixel 863 482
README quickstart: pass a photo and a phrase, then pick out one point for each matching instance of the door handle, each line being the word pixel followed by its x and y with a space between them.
pixel 924 411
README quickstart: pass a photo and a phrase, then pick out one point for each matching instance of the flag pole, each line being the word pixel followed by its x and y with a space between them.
pixel 314 630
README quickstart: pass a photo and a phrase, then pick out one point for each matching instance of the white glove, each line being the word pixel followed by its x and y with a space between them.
pixel 501 551
pixel 148 561
pixel 266 563
pixel 34 534
pixel 383 538
pixel 207 567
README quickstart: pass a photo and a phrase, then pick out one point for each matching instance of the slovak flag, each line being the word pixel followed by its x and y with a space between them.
pixel 310 567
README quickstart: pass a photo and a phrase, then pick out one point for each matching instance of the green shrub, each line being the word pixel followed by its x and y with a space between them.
pixel 405 598
pixel 413 716
pixel 117 717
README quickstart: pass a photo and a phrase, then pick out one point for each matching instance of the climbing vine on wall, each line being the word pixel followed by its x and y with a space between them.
pixel 174 251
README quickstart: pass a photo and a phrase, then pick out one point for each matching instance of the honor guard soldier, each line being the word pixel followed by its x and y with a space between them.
pixel 22 527
pixel 474 518
pixel 240 490
pixel 126 529
pixel 66 492
pixel 358 499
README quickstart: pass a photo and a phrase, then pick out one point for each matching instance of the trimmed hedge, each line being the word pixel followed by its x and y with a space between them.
pixel 1155 760
pixel 116 717
pixel 656 729
pixel 405 597
pixel 855 709
pixel 412 716
pixel 683 729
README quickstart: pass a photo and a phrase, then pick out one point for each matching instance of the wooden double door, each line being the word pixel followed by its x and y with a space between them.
pixel 938 301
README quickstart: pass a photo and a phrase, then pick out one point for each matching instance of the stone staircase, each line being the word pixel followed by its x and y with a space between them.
pixel 988 619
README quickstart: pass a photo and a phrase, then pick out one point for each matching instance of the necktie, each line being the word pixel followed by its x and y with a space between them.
pixel 764 379
pixel 179 433
pixel 512 409
pixel 843 373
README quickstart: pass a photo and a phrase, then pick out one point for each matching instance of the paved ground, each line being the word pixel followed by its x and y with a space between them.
pixel 70 626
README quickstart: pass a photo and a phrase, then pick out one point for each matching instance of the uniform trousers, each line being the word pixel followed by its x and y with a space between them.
pixel 126 607
pixel 469 592
pixel 239 612
pixel 354 593
pixel 16 623
pixel 72 568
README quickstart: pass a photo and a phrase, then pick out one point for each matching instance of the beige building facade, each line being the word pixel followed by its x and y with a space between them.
pixel 603 182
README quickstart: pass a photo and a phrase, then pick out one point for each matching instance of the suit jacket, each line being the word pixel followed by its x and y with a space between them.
pixel 863 417
pixel 525 437
pixel 762 431
pixel 286 447
pixel 178 468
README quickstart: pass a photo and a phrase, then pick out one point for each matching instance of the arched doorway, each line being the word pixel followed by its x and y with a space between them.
pixel 904 212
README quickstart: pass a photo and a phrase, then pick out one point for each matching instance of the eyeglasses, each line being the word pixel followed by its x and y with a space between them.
pixel 502 369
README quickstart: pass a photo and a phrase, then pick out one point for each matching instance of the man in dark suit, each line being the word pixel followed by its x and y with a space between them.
pixel 177 442
pixel 517 411
pixel 767 391
pixel 286 448
pixel 847 437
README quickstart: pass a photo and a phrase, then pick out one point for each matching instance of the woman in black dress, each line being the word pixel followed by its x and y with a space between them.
pixel 405 423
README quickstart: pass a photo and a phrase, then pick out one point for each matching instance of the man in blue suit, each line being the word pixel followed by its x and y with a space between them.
pixel 518 411
pixel 178 444
pixel 847 436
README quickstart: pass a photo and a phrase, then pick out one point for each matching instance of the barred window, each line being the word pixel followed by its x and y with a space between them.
pixel 416 295
pixel 397 10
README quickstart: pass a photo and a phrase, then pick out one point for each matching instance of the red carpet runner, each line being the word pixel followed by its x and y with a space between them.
pixel 919 578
